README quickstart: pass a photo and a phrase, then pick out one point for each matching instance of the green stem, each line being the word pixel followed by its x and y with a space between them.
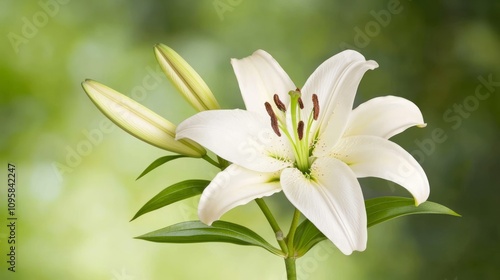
pixel 291 233
pixel 290 259
pixel 291 273
pixel 223 164
pixel 274 225
pixel 211 161
pixel 288 249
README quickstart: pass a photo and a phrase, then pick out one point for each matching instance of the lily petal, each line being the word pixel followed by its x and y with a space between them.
pixel 332 200
pixel 335 82
pixel 372 156
pixel 260 77
pixel 384 117
pixel 242 137
pixel 233 187
pixel 138 120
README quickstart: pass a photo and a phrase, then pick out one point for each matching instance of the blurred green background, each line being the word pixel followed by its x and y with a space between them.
pixel 76 174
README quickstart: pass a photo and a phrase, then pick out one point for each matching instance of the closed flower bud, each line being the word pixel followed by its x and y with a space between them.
pixel 185 79
pixel 138 120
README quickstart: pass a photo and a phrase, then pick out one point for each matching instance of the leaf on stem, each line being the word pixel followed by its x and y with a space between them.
pixel 173 193
pixel 219 231
pixel 382 209
pixel 306 236
pixel 158 163
pixel 378 210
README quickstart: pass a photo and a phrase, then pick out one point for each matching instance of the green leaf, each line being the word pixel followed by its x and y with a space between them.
pixel 157 163
pixel 382 209
pixel 306 236
pixel 174 193
pixel 219 231
pixel 378 210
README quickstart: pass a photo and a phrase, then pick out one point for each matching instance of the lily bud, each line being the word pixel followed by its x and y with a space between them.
pixel 185 79
pixel 138 120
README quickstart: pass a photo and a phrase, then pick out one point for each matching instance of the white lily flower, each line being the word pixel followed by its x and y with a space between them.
pixel 138 120
pixel 313 150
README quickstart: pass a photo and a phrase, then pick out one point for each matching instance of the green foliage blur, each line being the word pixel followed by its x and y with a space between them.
pixel 76 188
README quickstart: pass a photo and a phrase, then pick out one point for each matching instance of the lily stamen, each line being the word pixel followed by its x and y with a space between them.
pixel 301 104
pixel 300 130
pixel 274 120
pixel 278 103
pixel 315 106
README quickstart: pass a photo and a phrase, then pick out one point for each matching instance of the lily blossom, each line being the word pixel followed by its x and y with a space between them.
pixel 308 143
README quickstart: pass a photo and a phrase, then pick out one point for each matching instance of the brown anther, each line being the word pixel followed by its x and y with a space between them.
pixel 274 120
pixel 300 130
pixel 274 125
pixel 297 89
pixel 315 107
pixel 269 110
pixel 279 104
pixel 301 104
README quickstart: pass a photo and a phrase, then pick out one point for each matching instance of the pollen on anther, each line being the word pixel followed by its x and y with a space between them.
pixel 301 104
pixel 274 120
pixel 278 103
pixel 315 106
pixel 269 109
pixel 274 125
pixel 300 130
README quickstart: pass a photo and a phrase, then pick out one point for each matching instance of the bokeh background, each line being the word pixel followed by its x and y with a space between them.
pixel 76 174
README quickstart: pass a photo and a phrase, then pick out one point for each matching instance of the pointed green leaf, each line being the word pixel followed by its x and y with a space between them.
pixel 382 209
pixel 378 210
pixel 306 236
pixel 219 231
pixel 157 163
pixel 174 193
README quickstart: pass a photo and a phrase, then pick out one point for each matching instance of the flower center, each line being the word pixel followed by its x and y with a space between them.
pixel 297 131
